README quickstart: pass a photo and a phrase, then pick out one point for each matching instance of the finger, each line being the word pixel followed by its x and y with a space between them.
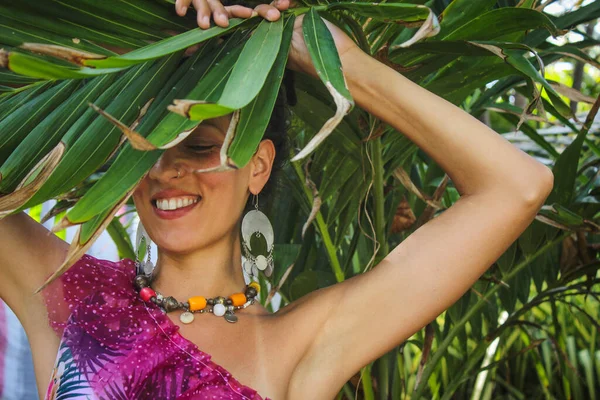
pixel 281 5
pixel 192 49
pixel 203 16
pixel 181 7
pixel 268 12
pixel 238 11
pixel 219 13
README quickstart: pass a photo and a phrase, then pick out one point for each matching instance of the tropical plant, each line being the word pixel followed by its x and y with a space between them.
pixel 93 92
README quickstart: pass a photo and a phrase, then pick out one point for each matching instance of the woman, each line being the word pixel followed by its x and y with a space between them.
pixel 118 344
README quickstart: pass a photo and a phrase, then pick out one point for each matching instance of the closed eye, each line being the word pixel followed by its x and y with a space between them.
pixel 201 148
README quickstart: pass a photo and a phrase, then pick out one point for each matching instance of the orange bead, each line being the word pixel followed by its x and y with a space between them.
pixel 238 299
pixel 197 303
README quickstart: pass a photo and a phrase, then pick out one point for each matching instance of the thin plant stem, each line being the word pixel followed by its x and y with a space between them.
pixel 322 227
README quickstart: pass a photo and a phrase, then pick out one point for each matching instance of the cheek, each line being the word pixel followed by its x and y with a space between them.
pixel 226 181
pixel 141 200
pixel 226 189
pixel 140 192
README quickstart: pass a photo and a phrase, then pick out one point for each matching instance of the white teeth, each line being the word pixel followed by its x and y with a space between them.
pixel 175 203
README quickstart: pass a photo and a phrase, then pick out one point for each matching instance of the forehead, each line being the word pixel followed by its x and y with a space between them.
pixel 213 127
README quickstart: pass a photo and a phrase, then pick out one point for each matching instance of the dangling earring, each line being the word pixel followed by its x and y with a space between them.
pixel 256 224
pixel 143 267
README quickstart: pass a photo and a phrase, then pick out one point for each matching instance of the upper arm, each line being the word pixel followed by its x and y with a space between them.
pixel 28 254
pixel 364 317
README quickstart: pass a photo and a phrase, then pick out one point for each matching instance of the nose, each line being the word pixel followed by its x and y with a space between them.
pixel 166 168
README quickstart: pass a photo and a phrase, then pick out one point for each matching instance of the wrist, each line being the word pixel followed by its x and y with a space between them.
pixel 352 54
pixel 358 67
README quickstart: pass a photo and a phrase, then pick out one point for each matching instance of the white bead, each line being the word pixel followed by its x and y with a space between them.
pixel 219 310
pixel 261 262
pixel 248 267
pixel 186 317
pixel 148 267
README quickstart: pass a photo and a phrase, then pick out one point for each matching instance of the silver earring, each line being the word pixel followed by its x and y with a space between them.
pixel 256 224
pixel 142 240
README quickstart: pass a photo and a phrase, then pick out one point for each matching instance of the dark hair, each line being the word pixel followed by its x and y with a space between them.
pixel 277 132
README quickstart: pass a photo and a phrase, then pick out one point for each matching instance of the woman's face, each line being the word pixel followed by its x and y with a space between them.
pixel 195 210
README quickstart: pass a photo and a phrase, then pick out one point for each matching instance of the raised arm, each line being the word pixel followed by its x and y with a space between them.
pixel 501 187
pixel 28 254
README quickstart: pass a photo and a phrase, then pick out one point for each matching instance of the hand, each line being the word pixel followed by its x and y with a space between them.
pixel 298 58
pixel 221 13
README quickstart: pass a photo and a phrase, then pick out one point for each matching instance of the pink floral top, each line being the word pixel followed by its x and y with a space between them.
pixel 115 346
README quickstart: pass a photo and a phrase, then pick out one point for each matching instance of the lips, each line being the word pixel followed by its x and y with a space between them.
pixel 174 203
pixel 174 214
pixel 168 193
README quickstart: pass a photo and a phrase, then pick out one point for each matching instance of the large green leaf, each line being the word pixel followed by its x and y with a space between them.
pixel 48 133
pixel 461 12
pixel 9 78
pixel 492 25
pixel 248 75
pixel 169 45
pixel 323 53
pixel 500 22
pixel 565 171
pixel 210 72
pixel 37 67
pixel 569 20
pixel 71 11
pixel 125 18
pixel 17 100
pixel 314 114
pixel 99 140
pixel 72 27
pixel 82 125
pixel 326 60
pixel 255 117
pixel 396 12
pixel 152 14
pixel 120 237
pixel 14 33
pixel 15 127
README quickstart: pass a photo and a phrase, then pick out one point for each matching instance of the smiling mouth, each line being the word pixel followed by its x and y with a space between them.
pixel 175 203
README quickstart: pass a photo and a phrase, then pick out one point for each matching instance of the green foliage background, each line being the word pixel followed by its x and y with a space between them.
pixel 527 329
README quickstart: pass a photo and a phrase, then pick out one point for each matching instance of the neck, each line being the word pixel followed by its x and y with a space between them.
pixel 211 271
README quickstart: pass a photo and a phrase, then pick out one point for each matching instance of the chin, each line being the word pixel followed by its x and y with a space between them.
pixel 178 247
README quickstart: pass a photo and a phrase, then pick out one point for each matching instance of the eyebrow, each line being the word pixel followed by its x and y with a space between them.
pixel 209 122
pixel 218 135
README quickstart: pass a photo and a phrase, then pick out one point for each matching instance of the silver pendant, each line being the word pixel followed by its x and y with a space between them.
pixel 186 317
pixel 253 223
pixel 230 317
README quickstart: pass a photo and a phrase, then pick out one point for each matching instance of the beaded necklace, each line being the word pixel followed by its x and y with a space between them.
pixel 219 306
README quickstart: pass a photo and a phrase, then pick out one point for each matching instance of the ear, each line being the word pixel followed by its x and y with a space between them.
pixel 261 165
